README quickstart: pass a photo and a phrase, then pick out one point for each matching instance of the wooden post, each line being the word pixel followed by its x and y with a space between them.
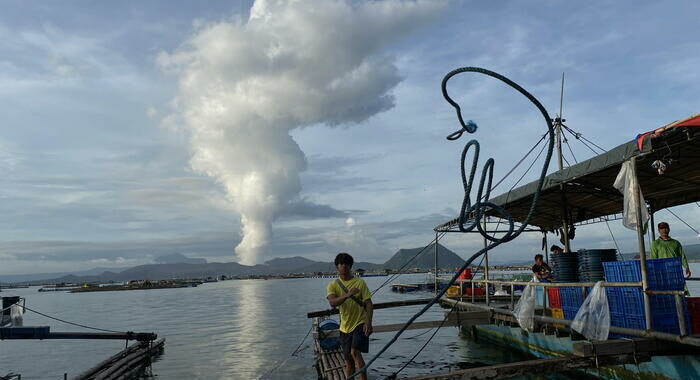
pixel 512 296
pixel 642 249
pixel 486 263
pixel 436 263
pixel 652 225
pixel 680 310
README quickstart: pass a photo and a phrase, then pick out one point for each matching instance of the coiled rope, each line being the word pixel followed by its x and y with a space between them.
pixel 477 210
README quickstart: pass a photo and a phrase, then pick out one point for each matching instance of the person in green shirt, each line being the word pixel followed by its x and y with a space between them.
pixel 665 246
pixel 352 297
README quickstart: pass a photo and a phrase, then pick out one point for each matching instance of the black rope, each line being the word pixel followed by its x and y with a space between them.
pixel 566 161
pixel 518 181
pixel 294 353
pixel 74 324
pixel 393 375
pixel 683 221
pixel 583 139
pixel 614 241
pixel 566 141
pixel 479 207
pixel 519 162
pixel 399 271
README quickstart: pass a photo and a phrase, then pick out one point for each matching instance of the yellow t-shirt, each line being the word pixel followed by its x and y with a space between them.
pixel 351 313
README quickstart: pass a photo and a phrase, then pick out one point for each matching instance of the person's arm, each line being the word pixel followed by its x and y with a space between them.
pixel 684 260
pixel 334 300
pixel 369 308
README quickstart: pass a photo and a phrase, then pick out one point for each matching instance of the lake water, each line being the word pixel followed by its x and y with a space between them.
pixel 230 330
pixel 225 330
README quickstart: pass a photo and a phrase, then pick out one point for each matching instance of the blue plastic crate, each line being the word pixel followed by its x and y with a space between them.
pixel 663 304
pixel 570 313
pixel 669 323
pixel 615 300
pixel 633 301
pixel 662 274
pixel 571 297
pixel 635 322
pixel 617 319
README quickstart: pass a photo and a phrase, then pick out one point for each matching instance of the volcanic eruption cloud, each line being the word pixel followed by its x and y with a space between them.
pixel 244 85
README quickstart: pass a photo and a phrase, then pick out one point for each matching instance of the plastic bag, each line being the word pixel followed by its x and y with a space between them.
pixel 16 318
pixel 593 318
pixel 524 310
pixel 626 182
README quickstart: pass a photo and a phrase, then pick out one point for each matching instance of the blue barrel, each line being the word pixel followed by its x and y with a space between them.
pixel 328 343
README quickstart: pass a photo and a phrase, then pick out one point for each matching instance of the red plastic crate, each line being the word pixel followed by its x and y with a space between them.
pixel 554 298
pixel 477 291
pixel 694 310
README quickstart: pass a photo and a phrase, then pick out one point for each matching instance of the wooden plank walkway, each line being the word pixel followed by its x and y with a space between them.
pixel 329 363
pixel 537 366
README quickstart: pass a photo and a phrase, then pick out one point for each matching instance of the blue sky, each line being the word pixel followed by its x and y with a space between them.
pixel 97 159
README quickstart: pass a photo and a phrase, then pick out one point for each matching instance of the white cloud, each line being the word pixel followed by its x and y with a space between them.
pixel 245 85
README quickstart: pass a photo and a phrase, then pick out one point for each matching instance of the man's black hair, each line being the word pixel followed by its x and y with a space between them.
pixel 555 248
pixel 540 256
pixel 344 258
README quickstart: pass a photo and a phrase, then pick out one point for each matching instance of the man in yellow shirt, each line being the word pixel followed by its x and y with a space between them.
pixel 351 295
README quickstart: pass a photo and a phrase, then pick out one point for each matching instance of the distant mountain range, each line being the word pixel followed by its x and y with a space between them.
pixel 180 266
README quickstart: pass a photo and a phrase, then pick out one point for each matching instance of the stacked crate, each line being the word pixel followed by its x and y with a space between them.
pixel 571 300
pixel 627 303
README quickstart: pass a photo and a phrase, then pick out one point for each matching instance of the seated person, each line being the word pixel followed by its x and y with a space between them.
pixel 556 249
pixel 541 270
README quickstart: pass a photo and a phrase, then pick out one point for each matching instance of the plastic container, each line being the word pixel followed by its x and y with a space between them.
pixel 662 274
pixel 328 343
pixel 453 291
pixel 466 274
pixel 570 312
pixel 559 314
pixel 694 313
pixel 564 267
pixel 615 300
pixel 571 297
pixel 477 291
pixel 553 298
pixel 590 263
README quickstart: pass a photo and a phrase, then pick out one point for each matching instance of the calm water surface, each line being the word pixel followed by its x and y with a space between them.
pixel 229 330
pixel 226 330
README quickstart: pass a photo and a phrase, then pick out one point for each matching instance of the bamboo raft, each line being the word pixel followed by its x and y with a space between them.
pixel 126 363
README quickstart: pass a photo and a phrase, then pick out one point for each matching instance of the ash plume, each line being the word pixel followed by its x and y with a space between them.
pixel 245 84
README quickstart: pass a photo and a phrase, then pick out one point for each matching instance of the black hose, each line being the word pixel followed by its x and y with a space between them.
pixel 480 207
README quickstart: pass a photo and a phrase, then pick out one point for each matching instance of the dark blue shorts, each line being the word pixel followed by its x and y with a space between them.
pixel 355 339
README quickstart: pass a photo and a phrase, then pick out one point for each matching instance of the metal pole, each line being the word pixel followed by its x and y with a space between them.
pixel 486 262
pixel 560 160
pixel 436 263
pixel 652 225
pixel 680 311
pixel 642 249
